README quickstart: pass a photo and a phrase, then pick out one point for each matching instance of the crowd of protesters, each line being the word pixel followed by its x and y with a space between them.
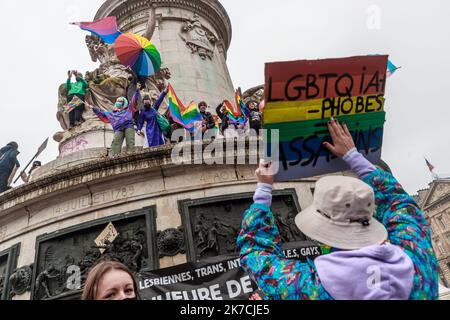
pixel 380 239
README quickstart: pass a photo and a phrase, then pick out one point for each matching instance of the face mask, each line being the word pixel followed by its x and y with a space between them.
pixel 130 299
pixel 119 105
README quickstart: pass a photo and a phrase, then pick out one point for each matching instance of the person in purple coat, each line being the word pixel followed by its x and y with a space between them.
pixel 121 120
pixel 155 135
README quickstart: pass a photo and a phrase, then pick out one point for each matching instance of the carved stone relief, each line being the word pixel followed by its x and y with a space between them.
pixel 170 242
pixel 20 280
pixel 199 39
pixel 215 225
pixel 63 262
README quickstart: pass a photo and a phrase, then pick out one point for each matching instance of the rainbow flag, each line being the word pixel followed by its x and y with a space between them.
pixel 184 116
pixel 105 28
pixel 240 103
pixel 216 122
pixel 75 102
pixel 236 115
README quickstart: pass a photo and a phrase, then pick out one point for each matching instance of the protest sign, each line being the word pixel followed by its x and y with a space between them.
pixel 108 235
pixel 302 96
pixel 221 278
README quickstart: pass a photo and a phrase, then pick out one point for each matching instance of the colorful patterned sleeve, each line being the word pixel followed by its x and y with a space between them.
pixel 407 228
pixel 99 113
pixel 262 257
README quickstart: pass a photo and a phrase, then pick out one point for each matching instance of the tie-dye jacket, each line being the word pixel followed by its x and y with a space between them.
pixel 284 279
pixel 120 119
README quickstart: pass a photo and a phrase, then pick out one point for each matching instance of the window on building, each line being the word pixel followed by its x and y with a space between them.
pixel 431 229
pixel 440 247
pixel 441 222
pixel 442 276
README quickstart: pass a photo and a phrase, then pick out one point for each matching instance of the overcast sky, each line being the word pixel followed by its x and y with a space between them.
pixel 38 47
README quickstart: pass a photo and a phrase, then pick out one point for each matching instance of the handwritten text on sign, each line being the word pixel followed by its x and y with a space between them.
pixel 302 96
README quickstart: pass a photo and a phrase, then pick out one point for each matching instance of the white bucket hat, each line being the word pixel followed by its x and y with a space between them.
pixel 341 215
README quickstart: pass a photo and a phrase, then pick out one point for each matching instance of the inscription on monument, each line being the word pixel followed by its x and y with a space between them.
pixel 97 199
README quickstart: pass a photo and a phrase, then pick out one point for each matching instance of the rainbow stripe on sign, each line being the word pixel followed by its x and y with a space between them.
pixel 302 96
pixel 184 116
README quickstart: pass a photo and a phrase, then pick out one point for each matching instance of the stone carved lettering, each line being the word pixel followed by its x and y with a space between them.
pixel 113 195
pixel 97 199
pixel 217 177
pixel 72 205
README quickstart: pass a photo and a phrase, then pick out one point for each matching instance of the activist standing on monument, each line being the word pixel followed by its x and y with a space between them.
pixel 149 114
pixel 208 119
pixel 8 165
pixel 121 119
pixel 77 89
pixel 381 240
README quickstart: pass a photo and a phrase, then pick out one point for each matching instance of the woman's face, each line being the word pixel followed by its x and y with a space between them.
pixel 115 285
pixel 119 103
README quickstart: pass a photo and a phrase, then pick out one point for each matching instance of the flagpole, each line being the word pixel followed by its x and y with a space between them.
pixel 25 168
pixel 41 148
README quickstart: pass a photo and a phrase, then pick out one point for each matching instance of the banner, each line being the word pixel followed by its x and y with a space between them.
pixel 221 278
pixel 302 96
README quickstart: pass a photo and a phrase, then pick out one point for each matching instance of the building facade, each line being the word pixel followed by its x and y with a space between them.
pixel 435 203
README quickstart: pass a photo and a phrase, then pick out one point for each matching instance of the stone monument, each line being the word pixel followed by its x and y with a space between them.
pixel 165 214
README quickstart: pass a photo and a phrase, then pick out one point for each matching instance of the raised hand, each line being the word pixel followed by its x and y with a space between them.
pixel 264 173
pixel 342 139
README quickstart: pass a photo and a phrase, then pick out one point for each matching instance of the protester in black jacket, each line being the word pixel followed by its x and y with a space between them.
pixel 8 165
pixel 223 115
pixel 255 118
pixel 208 119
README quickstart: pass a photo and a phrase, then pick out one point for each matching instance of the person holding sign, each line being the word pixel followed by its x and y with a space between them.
pixel 110 280
pixel 380 238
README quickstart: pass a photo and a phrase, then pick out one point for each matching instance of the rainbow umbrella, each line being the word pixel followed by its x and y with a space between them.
pixel 137 52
